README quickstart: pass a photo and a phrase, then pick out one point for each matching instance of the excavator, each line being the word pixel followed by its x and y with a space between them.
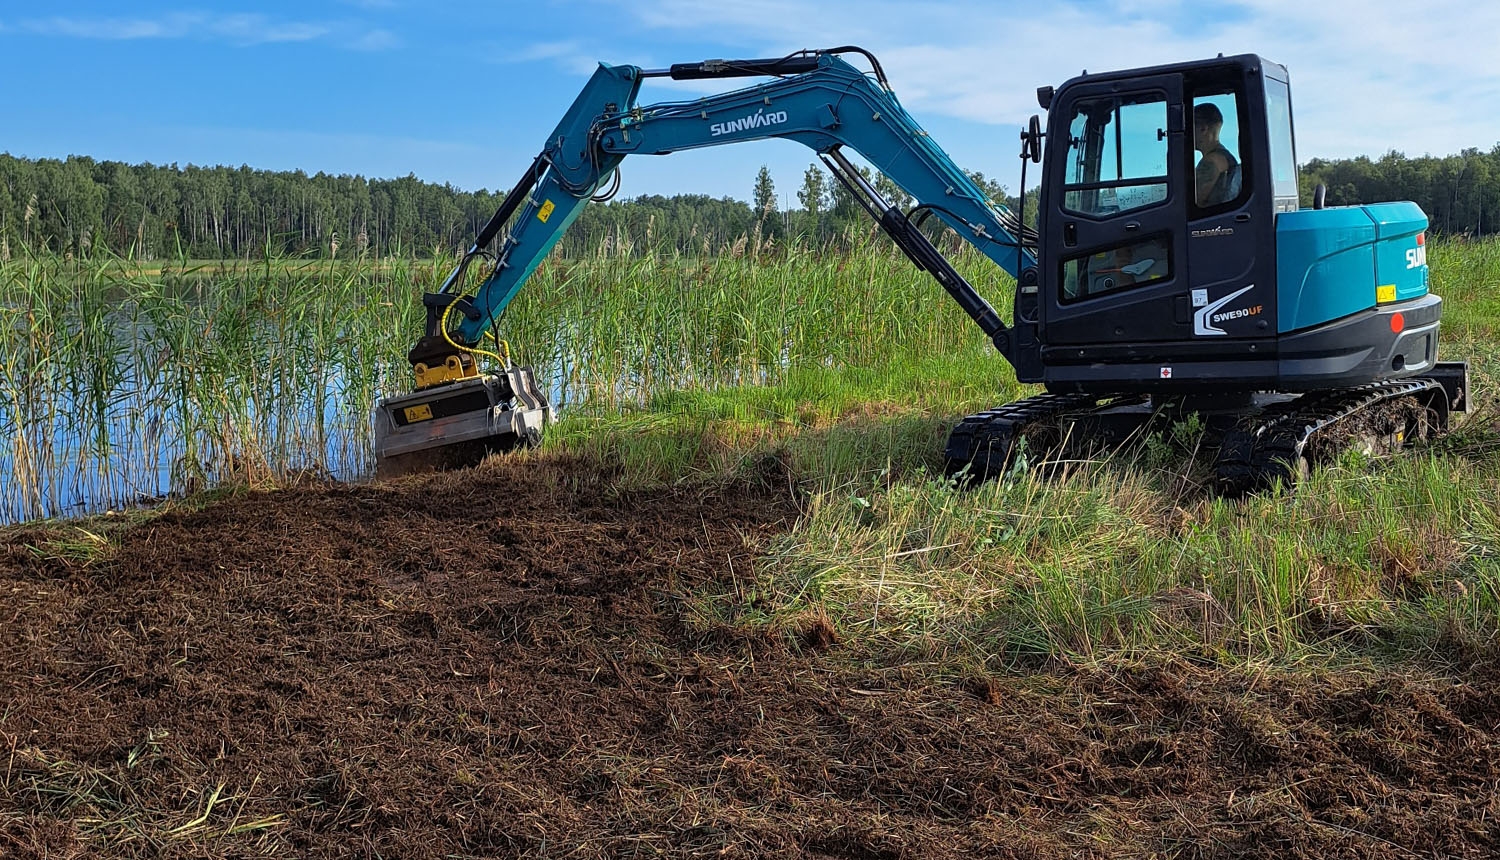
pixel 1171 271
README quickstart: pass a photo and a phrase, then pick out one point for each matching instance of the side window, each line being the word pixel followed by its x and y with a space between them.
pixel 1119 268
pixel 1117 154
pixel 1279 124
pixel 1218 151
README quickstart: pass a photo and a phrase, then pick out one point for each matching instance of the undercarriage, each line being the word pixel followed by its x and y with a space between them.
pixel 1262 438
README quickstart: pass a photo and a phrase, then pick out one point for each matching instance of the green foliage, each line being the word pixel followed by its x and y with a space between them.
pixel 153 212
pixel 119 381
pixel 1460 193
pixel 78 206
pixel 813 195
pixel 763 200
pixel 1394 560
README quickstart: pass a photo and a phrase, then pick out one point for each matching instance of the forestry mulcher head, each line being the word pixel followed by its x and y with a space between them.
pixel 457 415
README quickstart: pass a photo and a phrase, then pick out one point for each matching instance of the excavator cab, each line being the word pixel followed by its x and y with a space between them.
pixel 1177 275
pixel 1175 257
pixel 1134 251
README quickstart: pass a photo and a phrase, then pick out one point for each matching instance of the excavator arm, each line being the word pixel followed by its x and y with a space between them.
pixel 815 98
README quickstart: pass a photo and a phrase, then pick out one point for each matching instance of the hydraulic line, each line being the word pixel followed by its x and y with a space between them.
pixel 503 346
pixel 917 247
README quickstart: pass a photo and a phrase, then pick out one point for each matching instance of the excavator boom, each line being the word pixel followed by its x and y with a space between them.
pixel 826 105
pixel 815 98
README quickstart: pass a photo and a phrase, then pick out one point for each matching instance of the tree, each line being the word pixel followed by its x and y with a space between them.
pixel 765 195
pixel 992 189
pixel 887 188
pixel 69 205
pixel 811 196
pixel 846 213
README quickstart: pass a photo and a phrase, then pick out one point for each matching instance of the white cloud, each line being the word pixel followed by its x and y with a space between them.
pixel 236 28
pixel 375 40
pixel 786 24
pixel 546 51
pixel 567 54
pixel 1368 75
pixel 104 28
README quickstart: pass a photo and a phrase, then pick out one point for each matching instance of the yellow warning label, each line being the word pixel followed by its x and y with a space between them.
pixel 545 212
pixel 422 412
pixel 1385 293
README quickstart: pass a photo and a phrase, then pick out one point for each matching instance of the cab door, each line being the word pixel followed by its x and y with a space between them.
pixel 1114 230
pixel 1231 236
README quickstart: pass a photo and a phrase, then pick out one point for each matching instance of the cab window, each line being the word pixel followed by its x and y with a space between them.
pixel 1117 155
pixel 1283 151
pixel 1123 267
pixel 1218 177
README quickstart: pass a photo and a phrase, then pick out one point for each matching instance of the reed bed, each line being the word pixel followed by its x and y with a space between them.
pixel 120 383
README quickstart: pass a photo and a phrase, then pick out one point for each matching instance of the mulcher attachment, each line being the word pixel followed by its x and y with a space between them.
pixel 456 424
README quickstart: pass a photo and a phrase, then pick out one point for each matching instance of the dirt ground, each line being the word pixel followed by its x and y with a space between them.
pixel 498 664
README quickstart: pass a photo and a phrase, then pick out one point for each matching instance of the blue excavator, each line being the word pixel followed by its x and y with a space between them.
pixel 1171 271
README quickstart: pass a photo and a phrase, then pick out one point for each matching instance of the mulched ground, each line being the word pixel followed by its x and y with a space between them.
pixel 496 664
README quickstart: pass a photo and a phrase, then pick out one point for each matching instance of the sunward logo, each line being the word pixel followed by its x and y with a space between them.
pixel 759 119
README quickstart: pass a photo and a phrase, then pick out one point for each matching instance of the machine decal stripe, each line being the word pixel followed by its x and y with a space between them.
pixel 1201 317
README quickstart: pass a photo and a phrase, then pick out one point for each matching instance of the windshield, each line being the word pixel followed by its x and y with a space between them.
pixel 1117 154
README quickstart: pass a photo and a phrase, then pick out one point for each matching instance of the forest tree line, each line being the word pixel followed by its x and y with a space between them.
pixel 80 206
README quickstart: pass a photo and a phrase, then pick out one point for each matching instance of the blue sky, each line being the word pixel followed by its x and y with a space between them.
pixel 464 92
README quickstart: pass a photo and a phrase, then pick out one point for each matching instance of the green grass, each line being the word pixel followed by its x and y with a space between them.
pixel 1467 276
pixel 1391 560
pixel 122 383
pixel 833 424
pixel 1382 562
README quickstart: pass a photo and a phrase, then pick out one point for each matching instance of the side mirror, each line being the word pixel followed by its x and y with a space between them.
pixel 1031 140
pixel 1320 196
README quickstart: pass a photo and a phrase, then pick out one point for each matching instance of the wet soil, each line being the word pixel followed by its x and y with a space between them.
pixel 500 663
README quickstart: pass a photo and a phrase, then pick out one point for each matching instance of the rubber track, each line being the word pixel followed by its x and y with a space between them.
pixel 984 442
pixel 1269 447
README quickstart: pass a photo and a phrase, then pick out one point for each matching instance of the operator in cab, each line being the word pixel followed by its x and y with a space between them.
pixel 1217 176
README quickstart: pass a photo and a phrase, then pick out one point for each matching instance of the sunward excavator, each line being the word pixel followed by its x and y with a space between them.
pixel 1171 270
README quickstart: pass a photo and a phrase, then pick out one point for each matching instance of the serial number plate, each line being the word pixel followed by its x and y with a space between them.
pixel 419 413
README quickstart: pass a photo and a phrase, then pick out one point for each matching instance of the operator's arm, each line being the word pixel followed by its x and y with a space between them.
pixel 1210 167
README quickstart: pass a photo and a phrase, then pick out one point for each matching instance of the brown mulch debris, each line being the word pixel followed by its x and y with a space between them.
pixel 497 663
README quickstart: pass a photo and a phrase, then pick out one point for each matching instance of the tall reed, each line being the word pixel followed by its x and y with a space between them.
pixel 123 382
